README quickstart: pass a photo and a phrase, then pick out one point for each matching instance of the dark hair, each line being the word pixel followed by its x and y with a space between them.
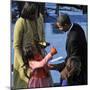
pixel 27 53
pixel 63 19
pixel 29 9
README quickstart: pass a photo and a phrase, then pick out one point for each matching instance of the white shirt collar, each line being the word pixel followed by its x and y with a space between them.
pixel 70 28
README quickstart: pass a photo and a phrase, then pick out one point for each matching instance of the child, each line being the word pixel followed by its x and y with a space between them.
pixel 39 76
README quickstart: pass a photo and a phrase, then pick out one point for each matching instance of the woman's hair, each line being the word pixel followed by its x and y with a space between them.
pixel 29 9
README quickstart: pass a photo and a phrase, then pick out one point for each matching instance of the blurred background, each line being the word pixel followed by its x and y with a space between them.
pixel 50 11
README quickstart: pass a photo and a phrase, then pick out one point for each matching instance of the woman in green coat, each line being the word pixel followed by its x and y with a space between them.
pixel 28 29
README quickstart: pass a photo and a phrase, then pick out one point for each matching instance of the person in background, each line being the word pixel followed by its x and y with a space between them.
pixel 76 45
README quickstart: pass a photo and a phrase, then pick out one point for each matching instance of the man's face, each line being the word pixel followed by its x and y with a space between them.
pixel 63 28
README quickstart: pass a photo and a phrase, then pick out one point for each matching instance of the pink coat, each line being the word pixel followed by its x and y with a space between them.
pixel 40 76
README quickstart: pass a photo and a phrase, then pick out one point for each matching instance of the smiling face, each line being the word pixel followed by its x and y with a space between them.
pixel 64 27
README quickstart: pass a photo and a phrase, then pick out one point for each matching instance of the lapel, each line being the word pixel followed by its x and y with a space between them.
pixel 33 33
pixel 68 38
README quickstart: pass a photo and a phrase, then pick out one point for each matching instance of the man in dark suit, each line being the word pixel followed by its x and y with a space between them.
pixel 76 45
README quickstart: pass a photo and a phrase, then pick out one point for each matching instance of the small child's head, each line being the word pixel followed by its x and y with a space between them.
pixel 28 53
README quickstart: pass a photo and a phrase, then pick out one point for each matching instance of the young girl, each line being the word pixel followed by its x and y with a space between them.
pixel 39 76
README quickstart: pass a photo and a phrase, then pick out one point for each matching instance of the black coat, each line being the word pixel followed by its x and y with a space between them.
pixel 76 45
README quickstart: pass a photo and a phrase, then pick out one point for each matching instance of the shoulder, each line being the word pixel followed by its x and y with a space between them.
pixel 77 27
pixel 73 34
pixel 20 20
pixel 19 25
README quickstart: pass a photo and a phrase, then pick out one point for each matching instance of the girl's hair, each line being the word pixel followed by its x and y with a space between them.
pixel 27 53
pixel 29 9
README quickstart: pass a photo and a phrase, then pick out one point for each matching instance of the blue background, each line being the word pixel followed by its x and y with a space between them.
pixel 57 40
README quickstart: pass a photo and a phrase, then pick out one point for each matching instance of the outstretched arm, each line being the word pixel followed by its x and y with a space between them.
pixel 39 64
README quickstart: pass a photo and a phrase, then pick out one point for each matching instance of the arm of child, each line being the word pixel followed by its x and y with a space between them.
pixel 39 64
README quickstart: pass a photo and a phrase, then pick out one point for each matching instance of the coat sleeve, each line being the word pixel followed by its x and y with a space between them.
pixel 59 67
pixel 18 36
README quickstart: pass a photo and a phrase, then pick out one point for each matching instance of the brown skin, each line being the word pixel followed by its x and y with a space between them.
pixel 64 27
pixel 53 51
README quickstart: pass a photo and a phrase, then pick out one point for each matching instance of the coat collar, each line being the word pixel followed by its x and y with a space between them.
pixel 70 28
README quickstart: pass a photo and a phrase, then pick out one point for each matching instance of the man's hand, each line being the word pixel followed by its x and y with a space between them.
pixel 50 66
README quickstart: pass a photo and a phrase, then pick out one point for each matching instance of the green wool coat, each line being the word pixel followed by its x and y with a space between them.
pixel 22 37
